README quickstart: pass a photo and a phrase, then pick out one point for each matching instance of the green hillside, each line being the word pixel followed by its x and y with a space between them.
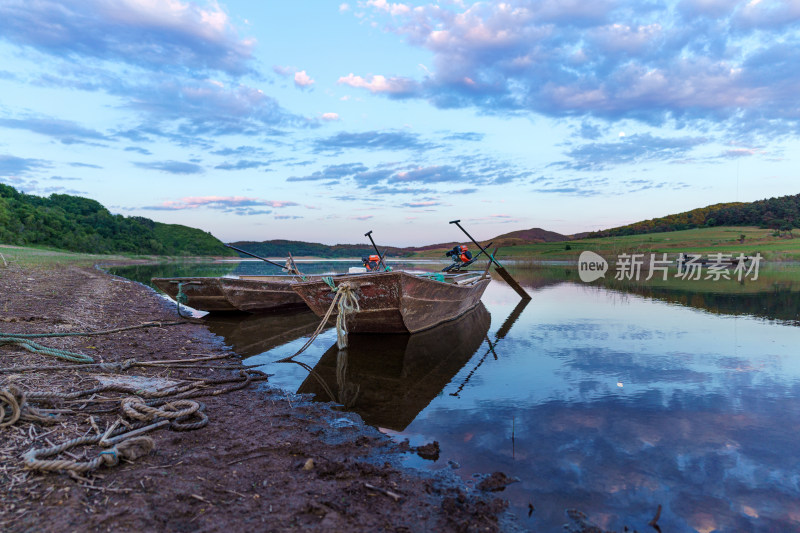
pixel 771 244
pixel 83 225
pixel 782 213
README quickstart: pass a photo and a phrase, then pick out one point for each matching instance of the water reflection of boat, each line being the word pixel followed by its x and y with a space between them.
pixel 389 379
pixel 251 335
pixel 500 335
pixel 398 302
pixel 251 294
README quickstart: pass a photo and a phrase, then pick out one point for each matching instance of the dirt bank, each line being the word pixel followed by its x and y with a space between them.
pixel 266 461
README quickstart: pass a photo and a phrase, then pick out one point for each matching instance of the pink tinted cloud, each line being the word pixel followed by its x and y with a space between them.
pixel 394 9
pixel 221 202
pixel 302 79
pixel 717 60
pixel 381 84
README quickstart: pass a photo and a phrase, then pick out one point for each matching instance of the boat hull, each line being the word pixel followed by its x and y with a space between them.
pixel 258 296
pixel 396 302
pixel 250 294
pixel 204 294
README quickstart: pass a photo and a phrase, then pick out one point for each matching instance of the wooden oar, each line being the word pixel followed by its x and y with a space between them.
pixel 497 266
pixel 256 256
pixel 294 266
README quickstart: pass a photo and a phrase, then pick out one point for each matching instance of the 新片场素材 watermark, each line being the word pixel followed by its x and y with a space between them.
pixel 715 267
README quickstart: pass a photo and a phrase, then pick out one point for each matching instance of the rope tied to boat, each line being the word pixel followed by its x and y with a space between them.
pixel 181 297
pixel 348 304
pixel 345 301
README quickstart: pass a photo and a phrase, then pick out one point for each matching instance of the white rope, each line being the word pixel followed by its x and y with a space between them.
pixel 348 304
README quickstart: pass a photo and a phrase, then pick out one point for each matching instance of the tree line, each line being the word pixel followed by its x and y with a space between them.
pixel 282 248
pixel 82 225
pixel 782 213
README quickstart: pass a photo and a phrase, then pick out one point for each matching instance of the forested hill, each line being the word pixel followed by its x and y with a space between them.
pixel 83 225
pixel 282 248
pixel 781 213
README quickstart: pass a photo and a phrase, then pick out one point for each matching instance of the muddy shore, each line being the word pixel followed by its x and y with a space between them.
pixel 267 460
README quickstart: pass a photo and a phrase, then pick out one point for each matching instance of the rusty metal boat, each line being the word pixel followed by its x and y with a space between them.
pixel 204 294
pixel 268 293
pixel 398 302
pixel 251 294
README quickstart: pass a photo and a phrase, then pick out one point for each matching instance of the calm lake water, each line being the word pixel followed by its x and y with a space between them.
pixel 608 398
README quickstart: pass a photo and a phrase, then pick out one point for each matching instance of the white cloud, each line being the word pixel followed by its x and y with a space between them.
pixel 148 33
pixel 380 84
pixel 303 80
pixel 711 60
pixel 394 9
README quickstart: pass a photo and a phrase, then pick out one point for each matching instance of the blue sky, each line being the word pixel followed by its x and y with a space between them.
pixel 322 120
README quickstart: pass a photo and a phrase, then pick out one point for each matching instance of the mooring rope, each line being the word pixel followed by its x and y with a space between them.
pixel 136 408
pixel 23 341
pixel 130 449
pixel 348 304
pixel 246 376
pixel 14 406
pixel 92 333
pixel 181 298
pixel 127 442
pixel 44 350
pixel 175 411
pixel 347 301
pixel 120 366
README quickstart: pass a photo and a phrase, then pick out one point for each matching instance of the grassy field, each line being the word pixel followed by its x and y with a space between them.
pixel 27 257
pixel 702 241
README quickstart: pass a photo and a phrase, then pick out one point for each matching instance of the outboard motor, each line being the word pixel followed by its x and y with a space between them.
pixel 461 257
pixel 371 263
pixel 459 253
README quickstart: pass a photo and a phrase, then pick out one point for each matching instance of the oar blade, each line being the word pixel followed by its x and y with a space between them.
pixel 512 282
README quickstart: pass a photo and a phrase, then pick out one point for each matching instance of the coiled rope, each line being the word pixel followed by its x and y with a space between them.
pixel 14 406
pixel 130 449
pixel 177 412
pixel 127 442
